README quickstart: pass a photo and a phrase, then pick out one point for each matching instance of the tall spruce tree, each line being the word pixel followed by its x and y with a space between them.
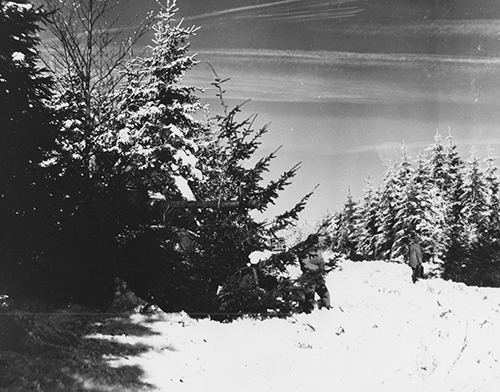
pixel 437 162
pixel 386 216
pixel 405 211
pixel 149 151
pixel 493 185
pixel 432 209
pixel 433 227
pixel 466 255
pixel 346 228
pixel 366 229
pixel 456 249
pixel 26 136
pixel 454 181
pixel 474 199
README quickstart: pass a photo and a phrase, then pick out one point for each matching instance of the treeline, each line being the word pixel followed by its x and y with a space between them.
pixel 93 152
pixel 453 205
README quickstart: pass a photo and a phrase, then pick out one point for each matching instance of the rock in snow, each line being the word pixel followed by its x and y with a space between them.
pixel 383 334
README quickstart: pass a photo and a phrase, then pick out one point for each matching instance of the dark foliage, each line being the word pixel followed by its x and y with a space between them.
pixel 111 170
pixel 26 134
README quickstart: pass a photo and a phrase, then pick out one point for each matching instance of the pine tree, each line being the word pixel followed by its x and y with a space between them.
pixel 474 199
pixel 26 136
pixel 437 162
pixel 486 255
pixel 148 154
pixel 468 254
pixel 432 209
pixel 386 217
pixel 432 228
pixel 24 91
pixel 367 223
pixel 456 249
pixel 346 228
pixel 153 137
pixel 493 186
pixel 454 181
pixel 224 238
pixel 405 207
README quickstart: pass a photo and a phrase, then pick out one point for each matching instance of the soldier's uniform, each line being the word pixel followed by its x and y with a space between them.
pixel 313 269
pixel 415 259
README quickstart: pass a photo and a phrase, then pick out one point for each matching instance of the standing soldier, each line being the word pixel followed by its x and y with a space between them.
pixel 312 265
pixel 415 258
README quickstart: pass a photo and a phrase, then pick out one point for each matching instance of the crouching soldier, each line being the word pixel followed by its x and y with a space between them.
pixel 312 265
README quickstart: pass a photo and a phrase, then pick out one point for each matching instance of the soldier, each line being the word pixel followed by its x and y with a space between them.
pixel 312 265
pixel 415 258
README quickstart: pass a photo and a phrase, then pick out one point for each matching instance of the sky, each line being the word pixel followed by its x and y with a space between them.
pixel 344 84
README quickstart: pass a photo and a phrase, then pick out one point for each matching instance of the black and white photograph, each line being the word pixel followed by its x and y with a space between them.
pixel 249 195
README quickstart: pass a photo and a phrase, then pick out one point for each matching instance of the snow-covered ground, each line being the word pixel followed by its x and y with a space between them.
pixel 383 334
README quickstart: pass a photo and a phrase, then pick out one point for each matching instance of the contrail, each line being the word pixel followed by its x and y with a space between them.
pixel 301 12
pixel 251 8
pixel 331 57
pixel 304 17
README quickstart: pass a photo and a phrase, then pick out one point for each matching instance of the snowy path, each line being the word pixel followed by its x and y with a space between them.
pixel 383 334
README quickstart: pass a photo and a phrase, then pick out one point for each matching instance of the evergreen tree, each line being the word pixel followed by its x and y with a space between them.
pixel 453 165
pixel 437 162
pixel 367 223
pixel 468 251
pixel 493 186
pixel 454 181
pixel 432 227
pixel 223 280
pixel 474 199
pixel 386 217
pixel 149 155
pixel 405 212
pixel 26 136
pixel 152 139
pixel 110 171
pixel 334 231
pixel 346 228
pixel 431 210
pixel 456 250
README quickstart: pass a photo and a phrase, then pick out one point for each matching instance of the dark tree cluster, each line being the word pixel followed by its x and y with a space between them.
pixel 102 156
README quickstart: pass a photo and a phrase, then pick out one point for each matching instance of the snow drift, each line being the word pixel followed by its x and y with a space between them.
pixel 383 334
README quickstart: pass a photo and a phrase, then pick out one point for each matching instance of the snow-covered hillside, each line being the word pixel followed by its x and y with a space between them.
pixel 383 334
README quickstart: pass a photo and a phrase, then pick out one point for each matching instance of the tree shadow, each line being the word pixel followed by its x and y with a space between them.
pixel 64 352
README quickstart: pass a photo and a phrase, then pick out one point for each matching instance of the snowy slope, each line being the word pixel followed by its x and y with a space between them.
pixel 383 334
